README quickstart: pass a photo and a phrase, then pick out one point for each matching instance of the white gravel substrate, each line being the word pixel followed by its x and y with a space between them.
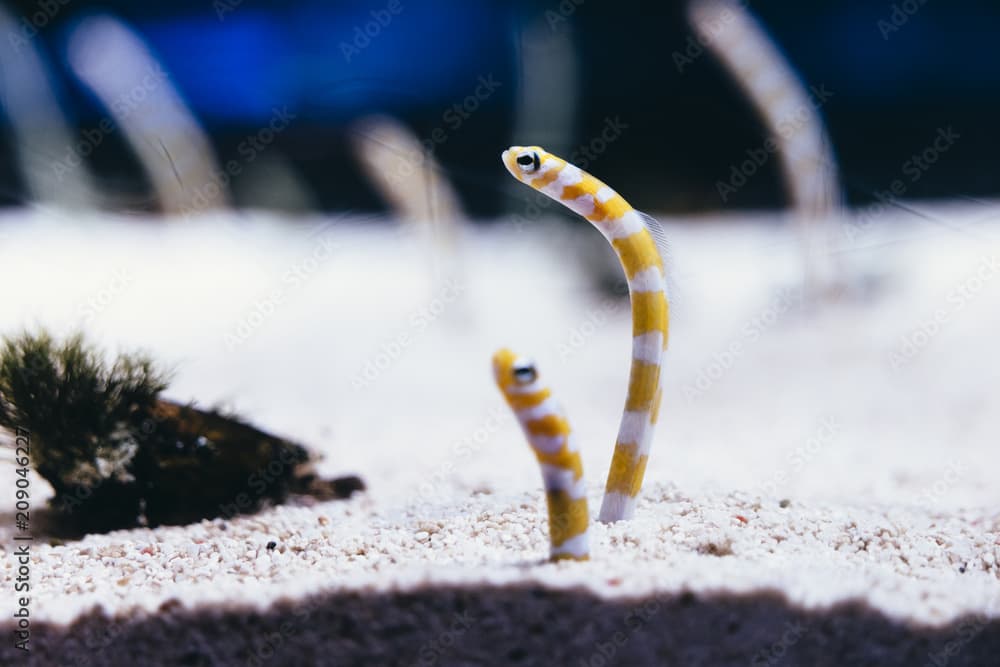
pixel 833 467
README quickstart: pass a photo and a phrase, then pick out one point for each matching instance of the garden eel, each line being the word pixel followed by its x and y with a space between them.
pixel 550 436
pixel 790 112
pixel 638 241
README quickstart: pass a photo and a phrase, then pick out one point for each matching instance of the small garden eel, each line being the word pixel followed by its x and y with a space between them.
pixel 638 241
pixel 549 434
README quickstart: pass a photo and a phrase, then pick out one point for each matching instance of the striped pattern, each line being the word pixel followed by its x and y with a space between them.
pixel 804 149
pixel 746 50
pixel 624 228
pixel 549 434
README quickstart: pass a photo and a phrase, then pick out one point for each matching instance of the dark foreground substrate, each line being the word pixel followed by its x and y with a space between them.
pixel 517 626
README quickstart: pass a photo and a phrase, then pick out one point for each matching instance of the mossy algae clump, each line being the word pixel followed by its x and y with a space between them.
pixel 118 455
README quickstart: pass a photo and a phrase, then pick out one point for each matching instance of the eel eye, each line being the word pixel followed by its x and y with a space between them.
pixel 529 161
pixel 524 372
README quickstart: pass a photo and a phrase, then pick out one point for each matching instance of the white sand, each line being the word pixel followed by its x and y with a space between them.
pixel 890 533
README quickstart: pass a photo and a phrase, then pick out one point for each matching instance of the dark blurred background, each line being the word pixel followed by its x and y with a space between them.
pixel 893 86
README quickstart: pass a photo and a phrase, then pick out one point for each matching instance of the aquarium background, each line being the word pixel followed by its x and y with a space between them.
pixel 894 74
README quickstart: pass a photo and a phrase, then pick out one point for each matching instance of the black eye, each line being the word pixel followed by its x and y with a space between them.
pixel 524 373
pixel 529 160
